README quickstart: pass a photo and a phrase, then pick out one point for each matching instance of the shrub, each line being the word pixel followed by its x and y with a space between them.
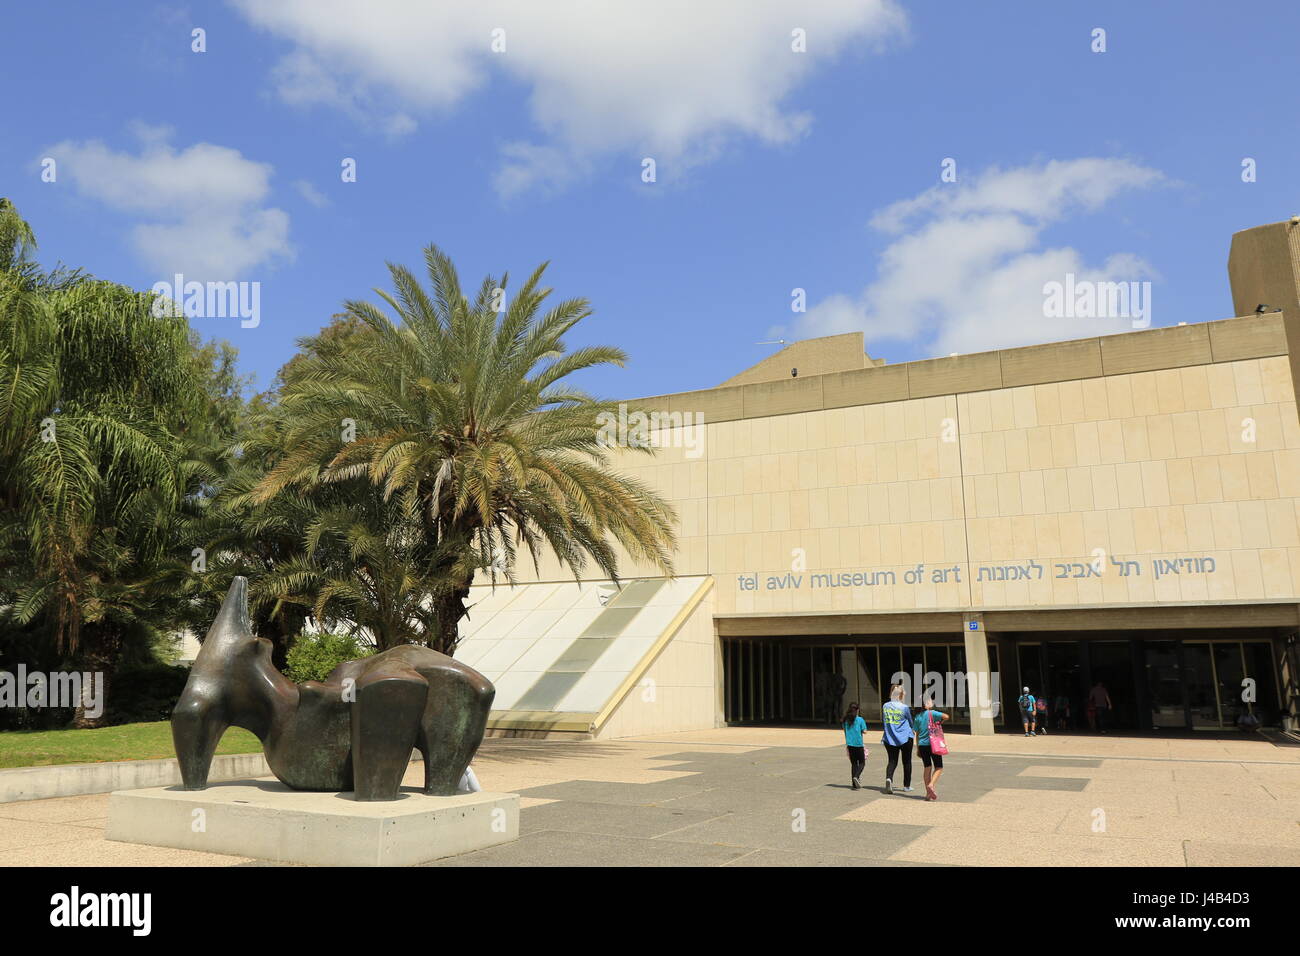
pixel 313 656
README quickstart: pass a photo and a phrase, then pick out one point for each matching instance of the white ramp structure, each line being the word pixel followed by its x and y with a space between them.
pixel 593 658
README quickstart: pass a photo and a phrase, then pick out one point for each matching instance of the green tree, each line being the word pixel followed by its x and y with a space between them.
pixel 96 394
pixel 467 419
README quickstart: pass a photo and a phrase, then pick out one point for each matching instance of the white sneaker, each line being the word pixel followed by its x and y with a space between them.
pixel 889 786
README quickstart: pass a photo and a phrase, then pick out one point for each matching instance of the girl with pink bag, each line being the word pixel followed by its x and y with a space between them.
pixel 931 745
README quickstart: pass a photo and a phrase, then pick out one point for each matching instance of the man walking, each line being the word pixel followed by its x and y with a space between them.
pixel 1028 714
pixel 1099 698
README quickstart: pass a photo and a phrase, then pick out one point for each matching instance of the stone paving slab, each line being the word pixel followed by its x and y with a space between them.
pixel 1217 827
pixel 610 819
pixel 597 791
pixel 778 831
pixel 565 848
pixel 24 834
pixel 1155 801
pixel 92 808
pixel 968 816
pixel 1207 853
pixel 828 798
pixel 1011 848
pixel 96 851
pixel 786 858
pixel 1285 808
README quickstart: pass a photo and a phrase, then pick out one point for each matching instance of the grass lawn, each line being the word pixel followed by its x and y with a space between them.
pixel 42 748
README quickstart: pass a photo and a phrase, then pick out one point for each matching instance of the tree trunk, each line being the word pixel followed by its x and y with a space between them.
pixel 450 607
pixel 282 630
pixel 100 646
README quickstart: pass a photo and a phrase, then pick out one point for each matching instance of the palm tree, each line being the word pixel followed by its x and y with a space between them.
pixel 94 391
pixel 16 238
pixel 364 564
pixel 466 419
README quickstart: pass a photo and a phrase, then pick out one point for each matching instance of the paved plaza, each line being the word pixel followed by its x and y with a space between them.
pixel 780 797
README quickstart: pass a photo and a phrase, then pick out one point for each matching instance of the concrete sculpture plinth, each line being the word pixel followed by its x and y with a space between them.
pixel 266 820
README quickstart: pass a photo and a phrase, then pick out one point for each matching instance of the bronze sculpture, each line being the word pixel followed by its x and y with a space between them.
pixel 355 731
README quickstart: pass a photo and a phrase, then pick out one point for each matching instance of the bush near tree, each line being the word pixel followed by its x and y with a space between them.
pixel 314 656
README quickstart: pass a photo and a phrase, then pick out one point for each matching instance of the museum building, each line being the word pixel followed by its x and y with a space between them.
pixel 1120 509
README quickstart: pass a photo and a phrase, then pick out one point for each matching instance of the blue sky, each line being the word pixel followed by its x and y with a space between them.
pixel 773 167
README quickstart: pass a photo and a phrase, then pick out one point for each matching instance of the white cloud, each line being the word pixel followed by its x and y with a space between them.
pixel 310 193
pixel 203 207
pixel 676 79
pixel 967 269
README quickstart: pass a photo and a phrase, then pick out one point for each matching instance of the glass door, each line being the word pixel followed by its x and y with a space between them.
pixel 1228 679
pixel 1260 668
pixel 914 668
pixel 1112 664
pixel 1165 686
pixel 1202 687
pixel 826 695
pixel 1030 658
pixel 801 683
pixel 936 663
pixel 846 678
pixel 870 693
pixel 1229 670
pixel 968 690
pixel 891 668
pixel 1063 681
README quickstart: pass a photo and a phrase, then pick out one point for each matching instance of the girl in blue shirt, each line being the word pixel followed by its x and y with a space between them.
pixel 933 761
pixel 854 726
pixel 897 719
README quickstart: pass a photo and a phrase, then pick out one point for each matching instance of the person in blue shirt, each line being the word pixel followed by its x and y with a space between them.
pixel 897 719
pixel 1028 712
pixel 854 726
pixel 933 762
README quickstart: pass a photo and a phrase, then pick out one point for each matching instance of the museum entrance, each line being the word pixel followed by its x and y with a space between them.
pixel 1163 680
pixel 812 681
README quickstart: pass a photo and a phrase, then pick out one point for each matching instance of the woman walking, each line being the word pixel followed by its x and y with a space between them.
pixel 925 746
pixel 854 726
pixel 897 718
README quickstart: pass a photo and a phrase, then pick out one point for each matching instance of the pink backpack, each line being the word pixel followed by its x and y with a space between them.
pixel 938 745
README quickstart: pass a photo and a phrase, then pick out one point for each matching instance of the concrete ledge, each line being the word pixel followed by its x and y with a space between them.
pixel 1057 362
pixel 1155 349
pixel 1255 337
pixel 77 779
pixel 541 724
pixel 975 372
pixel 1144 350
pixel 74 780
pixel 265 820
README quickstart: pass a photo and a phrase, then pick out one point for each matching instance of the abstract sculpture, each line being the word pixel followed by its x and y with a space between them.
pixel 353 732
